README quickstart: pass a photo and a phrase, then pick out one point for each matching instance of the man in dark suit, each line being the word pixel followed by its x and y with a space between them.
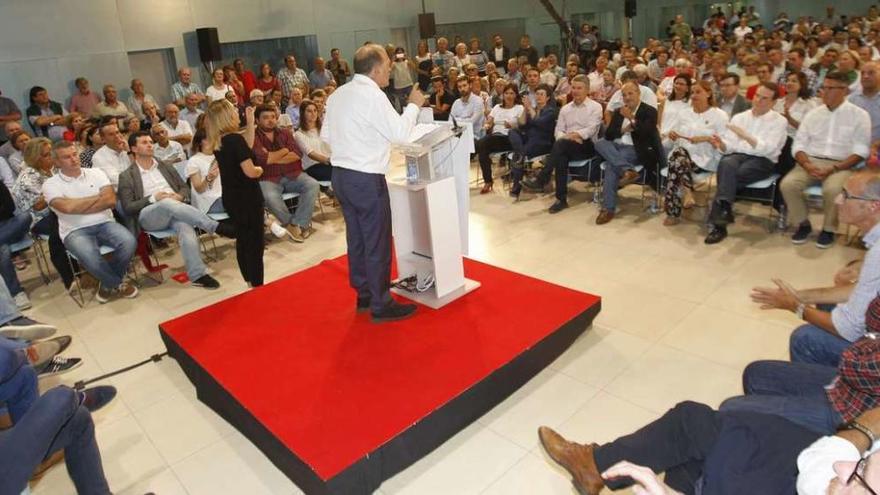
pixel 631 139
pixel 499 53
pixel 729 98
pixel 154 197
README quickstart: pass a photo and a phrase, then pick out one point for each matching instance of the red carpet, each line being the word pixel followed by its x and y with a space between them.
pixel 331 387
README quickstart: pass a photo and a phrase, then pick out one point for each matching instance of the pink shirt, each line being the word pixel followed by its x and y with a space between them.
pixel 84 104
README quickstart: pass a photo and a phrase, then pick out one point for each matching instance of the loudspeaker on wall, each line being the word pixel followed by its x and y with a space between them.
pixel 209 44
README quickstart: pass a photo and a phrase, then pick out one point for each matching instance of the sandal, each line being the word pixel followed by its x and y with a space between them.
pixel 487 188
pixel 670 221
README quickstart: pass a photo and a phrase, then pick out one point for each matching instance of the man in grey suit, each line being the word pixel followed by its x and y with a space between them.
pixel 154 197
pixel 729 98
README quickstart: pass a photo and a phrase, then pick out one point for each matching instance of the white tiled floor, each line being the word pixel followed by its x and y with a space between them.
pixel 676 324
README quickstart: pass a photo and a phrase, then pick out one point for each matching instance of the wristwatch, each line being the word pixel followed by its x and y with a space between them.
pixel 799 311
pixel 864 430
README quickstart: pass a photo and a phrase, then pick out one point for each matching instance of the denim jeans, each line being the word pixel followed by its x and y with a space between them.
pixel 8 310
pixel 84 243
pixel 54 422
pixel 795 391
pixel 308 190
pixel 618 158
pixel 18 380
pixel 181 217
pixel 12 230
pixel 810 344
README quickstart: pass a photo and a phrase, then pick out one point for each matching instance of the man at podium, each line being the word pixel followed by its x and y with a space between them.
pixel 360 125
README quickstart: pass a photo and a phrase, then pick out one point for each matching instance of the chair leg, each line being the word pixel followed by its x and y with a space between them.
pixel 78 297
pixel 154 258
pixel 42 260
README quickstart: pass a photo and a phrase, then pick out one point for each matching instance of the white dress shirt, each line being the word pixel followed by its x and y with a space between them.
pixel 798 111
pixel 768 130
pixel 360 124
pixel 648 98
pixel 584 119
pixel 170 154
pixel 89 183
pixel 834 135
pixel 112 163
pixel 153 181
pixel 182 128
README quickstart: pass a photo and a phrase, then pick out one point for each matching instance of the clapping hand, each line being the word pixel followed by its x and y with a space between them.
pixel 249 116
pixel 784 296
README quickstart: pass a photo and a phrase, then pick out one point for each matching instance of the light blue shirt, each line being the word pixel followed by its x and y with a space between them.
pixel 870 104
pixel 473 111
pixel 849 317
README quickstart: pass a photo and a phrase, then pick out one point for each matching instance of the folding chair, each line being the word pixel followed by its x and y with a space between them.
pixel 24 244
pixel 757 192
pixel 589 165
pixel 167 234
pixel 79 297
pixel 642 181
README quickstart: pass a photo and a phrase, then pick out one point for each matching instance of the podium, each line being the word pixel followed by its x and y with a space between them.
pixel 429 211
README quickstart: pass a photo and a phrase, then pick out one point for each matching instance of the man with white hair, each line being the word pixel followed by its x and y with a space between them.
pixel 178 129
pixel 443 58
pixel 184 86
pixel 682 66
pixel 191 111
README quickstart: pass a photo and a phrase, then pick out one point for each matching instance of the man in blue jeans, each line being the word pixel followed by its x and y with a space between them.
pixel 827 333
pixel 154 197
pixel 83 199
pixel 276 151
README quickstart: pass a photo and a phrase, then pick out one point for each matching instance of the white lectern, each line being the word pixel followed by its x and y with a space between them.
pixel 429 213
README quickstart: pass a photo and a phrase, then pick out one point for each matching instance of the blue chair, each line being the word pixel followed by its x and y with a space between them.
pixel 27 242
pixel 758 191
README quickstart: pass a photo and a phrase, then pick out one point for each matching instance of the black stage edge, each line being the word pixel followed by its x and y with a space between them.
pixel 365 475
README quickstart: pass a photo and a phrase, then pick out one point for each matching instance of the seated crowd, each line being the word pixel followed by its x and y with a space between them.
pixel 793 103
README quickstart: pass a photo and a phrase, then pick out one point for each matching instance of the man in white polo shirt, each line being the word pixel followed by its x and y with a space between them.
pixel 112 158
pixel 178 129
pixel 83 199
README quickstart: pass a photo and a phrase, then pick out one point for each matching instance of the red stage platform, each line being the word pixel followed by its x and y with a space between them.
pixel 340 404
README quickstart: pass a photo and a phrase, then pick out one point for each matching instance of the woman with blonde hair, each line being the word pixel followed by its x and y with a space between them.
pixel 241 194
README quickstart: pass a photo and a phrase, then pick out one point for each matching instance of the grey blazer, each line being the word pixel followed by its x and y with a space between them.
pixel 131 188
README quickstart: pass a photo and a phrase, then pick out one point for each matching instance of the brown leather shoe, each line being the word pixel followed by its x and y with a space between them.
pixel 604 217
pixel 628 178
pixel 577 459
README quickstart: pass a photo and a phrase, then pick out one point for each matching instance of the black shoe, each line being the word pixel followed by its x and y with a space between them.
pixel 825 240
pixel 535 184
pixel 23 328
pixel 97 397
pixel 393 312
pixel 722 213
pixel 58 365
pixel 558 206
pixel 63 342
pixel 206 281
pixel 363 304
pixel 802 233
pixel 718 233
pixel 225 229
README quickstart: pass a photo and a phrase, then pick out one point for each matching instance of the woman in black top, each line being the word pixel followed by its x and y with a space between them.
pixel 242 197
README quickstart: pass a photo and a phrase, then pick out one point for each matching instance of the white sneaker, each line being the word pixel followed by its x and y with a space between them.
pixel 22 302
pixel 278 230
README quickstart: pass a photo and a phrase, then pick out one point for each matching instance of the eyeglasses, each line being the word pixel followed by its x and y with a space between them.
pixel 858 474
pixel 847 195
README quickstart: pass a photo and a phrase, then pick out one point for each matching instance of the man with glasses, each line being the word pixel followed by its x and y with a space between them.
pixel 831 141
pixel 826 334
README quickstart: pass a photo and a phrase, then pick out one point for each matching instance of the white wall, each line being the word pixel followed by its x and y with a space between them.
pixel 92 37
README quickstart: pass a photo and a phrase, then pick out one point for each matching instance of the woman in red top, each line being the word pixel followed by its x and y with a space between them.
pixel 233 81
pixel 74 121
pixel 267 81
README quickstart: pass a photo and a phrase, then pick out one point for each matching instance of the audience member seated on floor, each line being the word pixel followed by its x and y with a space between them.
pixel 203 173
pixel 14 227
pixel 9 128
pixel 293 105
pixel 818 397
pixel 631 139
pixel 111 106
pixel 191 111
pixel 469 107
pixel 276 152
pixel 867 97
pixel 165 150
pixel 509 115
pixel 700 451
pixel 534 137
pixel 179 130
pixel 751 145
pixel 58 420
pixel 45 116
pixel 316 151
pixel 112 158
pixel 693 150
pixel 729 98
pixel 84 100
pixel 826 334
pixel 83 199
pixel 155 198
pixel 577 129
pixel 440 100
pixel 28 195
pixel 184 87
pixel 830 143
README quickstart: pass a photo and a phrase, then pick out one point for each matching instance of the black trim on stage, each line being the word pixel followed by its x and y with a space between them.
pixel 365 475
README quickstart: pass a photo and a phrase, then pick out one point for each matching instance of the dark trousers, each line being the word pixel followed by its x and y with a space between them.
pixel 366 208
pixel 520 143
pixel 488 144
pixel 738 170
pixel 564 151
pixel 725 453
pixel 48 225
pixel 249 242
pixel 56 421
pixel 320 171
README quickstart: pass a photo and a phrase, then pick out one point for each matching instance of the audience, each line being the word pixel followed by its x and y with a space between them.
pixel 83 199
pixel 831 140
pixel 111 158
pixel 218 88
pixel 339 67
pixel 165 150
pixel 316 151
pixel 534 137
pixel 179 130
pixel 729 98
pixel 291 77
pixel 507 115
pixel 19 140
pixel 246 76
pixel 45 116
pixel 138 98
pixel 184 86
pixel 84 100
pixel 469 108
pixel 190 112
pixel 111 106
pixel 320 75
